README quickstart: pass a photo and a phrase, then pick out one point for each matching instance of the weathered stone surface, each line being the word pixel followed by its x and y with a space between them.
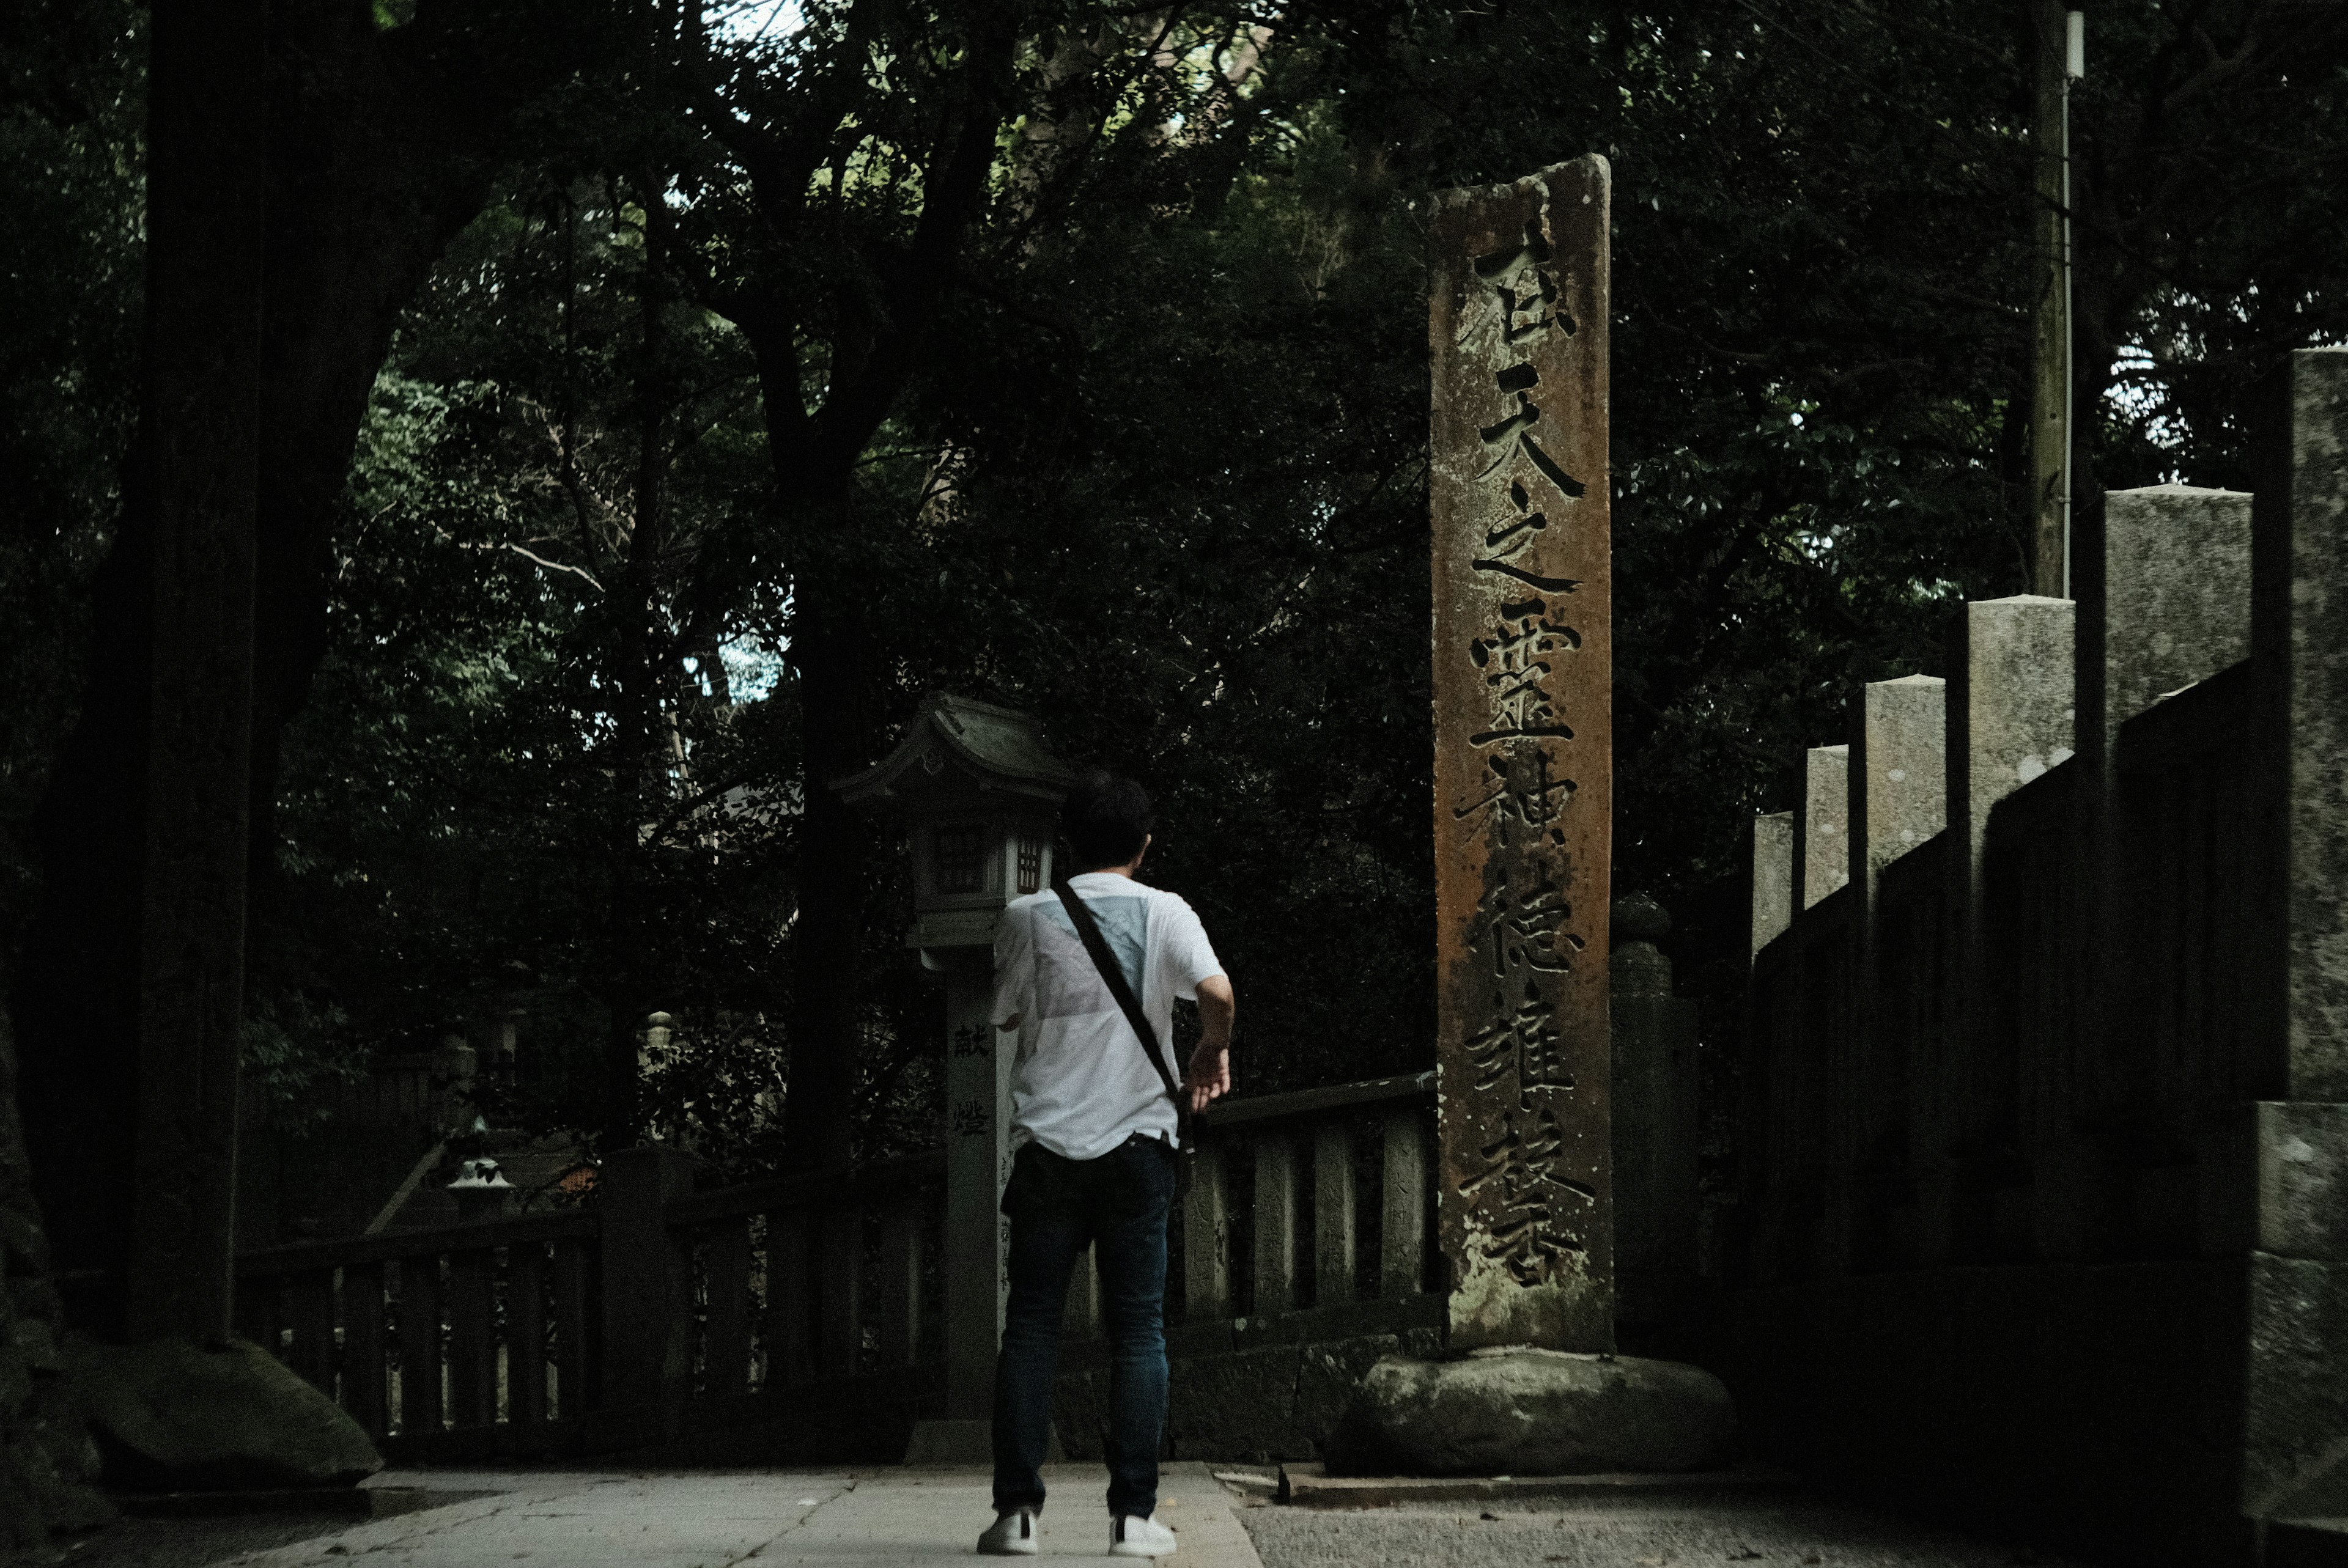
pixel 169 1415
pixel 2011 708
pixel 1898 774
pixel 2299 634
pixel 2164 600
pixel 1773 877
pixel 1822 849
pixel 1523 688
pixel 1654 1113
pixel 1533 1412
pixel 1265 1405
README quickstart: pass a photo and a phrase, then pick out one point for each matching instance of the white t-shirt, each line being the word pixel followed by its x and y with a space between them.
pixel 1082 1085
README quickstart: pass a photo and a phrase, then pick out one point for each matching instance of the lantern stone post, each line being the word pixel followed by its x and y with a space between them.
pixel 979 796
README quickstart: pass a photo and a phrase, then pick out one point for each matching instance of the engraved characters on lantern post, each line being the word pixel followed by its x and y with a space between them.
pixel 1531 1211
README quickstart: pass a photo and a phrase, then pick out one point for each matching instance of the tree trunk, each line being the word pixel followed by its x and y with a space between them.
pixel 380 150
pixel 827 645
pixel 635 756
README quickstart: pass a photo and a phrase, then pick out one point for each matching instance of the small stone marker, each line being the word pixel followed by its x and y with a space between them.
pixel 1523 755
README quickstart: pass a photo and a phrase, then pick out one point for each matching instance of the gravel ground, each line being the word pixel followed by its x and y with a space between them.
pixel 1607 1533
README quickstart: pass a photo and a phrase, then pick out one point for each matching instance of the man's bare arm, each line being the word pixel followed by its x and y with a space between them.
pixel 1210 1077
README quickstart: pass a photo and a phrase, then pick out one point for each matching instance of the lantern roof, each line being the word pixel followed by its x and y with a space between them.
pixel 957 742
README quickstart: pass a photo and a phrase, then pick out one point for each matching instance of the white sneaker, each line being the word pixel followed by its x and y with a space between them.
pixel 1010 1535
pixel 1131 1536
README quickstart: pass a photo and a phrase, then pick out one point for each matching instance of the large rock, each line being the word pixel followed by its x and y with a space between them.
pixel 1512 1411
pixel 173 1416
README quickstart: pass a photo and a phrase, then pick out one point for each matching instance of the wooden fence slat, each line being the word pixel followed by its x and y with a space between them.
pixel 261 1312
pixel 472 1338
pixel 419 1343
pixel 725 1355
pixel 310 1313
pixel 1402 1247
pixel 575 1314
pixel 789 1308
pixel 362 1366
pixel 526 1333
pixel 1332 1213
pixel 1275 1223
pixel 843 1343
pixel 1207 1238
pixel 900 1285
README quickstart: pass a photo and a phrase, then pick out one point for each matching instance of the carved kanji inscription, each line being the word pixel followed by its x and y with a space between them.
pixel 1523 765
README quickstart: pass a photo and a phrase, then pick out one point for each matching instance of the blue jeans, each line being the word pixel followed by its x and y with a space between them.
pixel 1118 1203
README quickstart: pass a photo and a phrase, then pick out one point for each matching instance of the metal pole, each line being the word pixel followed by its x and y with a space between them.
pixel 2074 66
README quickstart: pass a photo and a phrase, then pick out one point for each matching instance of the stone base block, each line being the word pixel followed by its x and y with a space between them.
pixel 1533 1412
pixel 172 1416
pixel 965 1444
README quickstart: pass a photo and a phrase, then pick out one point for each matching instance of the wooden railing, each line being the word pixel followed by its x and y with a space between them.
pixel 1310 1216
pixel 652 1313
pixel 657 1312
pixel 487 1325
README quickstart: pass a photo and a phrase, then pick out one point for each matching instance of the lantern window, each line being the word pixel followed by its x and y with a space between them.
pixel 960 860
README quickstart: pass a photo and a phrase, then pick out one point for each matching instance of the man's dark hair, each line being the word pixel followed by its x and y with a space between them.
pixel 1105 817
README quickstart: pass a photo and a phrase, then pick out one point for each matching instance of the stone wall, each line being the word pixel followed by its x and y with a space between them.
pixel 1257 1407
pixel 2044 1192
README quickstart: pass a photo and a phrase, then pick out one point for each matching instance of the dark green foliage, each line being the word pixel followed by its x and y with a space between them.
pixel 1141 446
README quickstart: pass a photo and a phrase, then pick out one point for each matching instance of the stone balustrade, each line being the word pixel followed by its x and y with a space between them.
pixel 2046 1070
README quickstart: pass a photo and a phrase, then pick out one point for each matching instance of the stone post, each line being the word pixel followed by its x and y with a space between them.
pixel 1899 775
pixel 1822 849
pixel 199 451
pixel 2295 1431
pixel 647 1282
pixel 1523 755
pixel 1773 878
pixel 2163 578
pixel 1654 1116
pixel 2010 711
pixel 978 1161
pixel 1899 799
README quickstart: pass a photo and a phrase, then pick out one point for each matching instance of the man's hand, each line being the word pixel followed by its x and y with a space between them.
pixel 1210 1077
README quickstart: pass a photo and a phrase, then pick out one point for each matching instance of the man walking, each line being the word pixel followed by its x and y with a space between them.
pixel 1095 1131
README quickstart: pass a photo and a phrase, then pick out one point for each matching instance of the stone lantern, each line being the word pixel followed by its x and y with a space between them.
pixel 979 795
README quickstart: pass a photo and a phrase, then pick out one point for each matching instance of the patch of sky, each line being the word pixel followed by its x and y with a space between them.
pixel 748 21
pixel 2137 395
pixel 752 669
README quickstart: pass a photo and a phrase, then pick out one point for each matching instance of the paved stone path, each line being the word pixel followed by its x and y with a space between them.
pixel 889 1518
pixel 885 1518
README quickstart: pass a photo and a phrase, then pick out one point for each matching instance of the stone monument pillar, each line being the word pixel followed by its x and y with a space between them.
pixel 1524 847
pixel 1524 756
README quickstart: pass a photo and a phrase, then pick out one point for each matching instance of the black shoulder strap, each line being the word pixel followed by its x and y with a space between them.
pixel 1113 977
